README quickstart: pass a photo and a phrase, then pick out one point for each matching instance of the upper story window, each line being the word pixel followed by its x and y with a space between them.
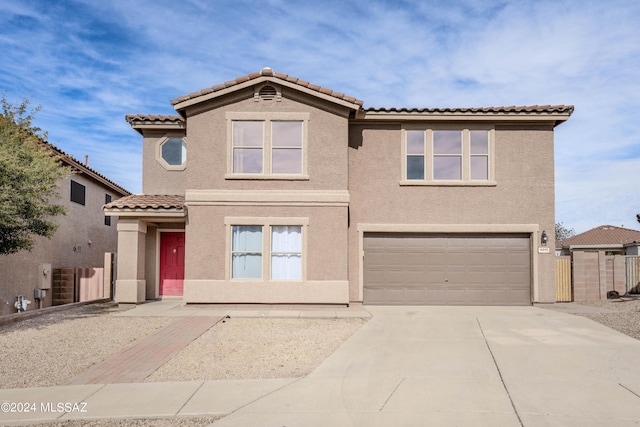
pixel 172 153
pixel 447 157
pixel 267 145
pixel 107 200
pixel 78 192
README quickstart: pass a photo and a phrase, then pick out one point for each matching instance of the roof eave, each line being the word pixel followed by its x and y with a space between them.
pixel 84 169
pixel 603 246
pixel 180 106
pixel 143 127
pixel 146 212
pixel 555 118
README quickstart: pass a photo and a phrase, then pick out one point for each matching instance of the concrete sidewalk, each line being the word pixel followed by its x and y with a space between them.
pixel 494 366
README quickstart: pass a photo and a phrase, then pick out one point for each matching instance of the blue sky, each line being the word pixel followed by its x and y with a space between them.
pixel 88 63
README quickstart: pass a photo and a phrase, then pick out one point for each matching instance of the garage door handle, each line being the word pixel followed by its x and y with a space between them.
pixel 446 280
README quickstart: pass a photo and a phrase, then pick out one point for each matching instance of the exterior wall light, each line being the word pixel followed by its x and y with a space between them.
pixel 544 238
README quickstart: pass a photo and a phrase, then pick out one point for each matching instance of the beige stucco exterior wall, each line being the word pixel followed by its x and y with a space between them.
pixel 157 179
pixel 207 276
pixel 80 241
pixel 523 194
pixel 327 155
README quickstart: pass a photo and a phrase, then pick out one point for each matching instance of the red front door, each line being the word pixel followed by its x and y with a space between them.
pixel 171 264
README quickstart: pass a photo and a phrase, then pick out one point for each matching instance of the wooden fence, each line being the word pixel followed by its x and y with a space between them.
pixel 563 279
pixel 632 267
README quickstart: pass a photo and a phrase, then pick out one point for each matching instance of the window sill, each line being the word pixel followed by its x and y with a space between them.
pixel 452 183
pixel 263 282
pixel 267 177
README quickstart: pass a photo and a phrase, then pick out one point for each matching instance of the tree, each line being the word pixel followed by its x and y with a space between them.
pixel 29 179
pixel 563 232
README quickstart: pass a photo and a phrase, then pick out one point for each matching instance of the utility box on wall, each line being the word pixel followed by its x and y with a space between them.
pixel 45 274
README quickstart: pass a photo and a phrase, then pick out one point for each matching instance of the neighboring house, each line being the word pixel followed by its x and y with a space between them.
pixel 269 189
pixel 603 259
pixel 609 239
pixel 83 237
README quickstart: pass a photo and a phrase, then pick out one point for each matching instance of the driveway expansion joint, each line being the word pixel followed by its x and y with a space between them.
pixel 391 394
pixel 495 362
pixel 629 390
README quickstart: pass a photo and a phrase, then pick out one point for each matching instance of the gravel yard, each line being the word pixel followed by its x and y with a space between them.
pixel 625 315
pixel 51 349
pixel 58 346
pixel 246 348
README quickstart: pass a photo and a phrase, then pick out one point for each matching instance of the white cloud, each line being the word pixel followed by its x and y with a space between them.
pixel 90 63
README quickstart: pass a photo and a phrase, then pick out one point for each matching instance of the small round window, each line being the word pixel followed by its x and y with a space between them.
pixel 174 151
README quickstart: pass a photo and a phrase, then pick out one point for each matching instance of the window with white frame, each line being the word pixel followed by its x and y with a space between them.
pixel 267 145
pixel 276 257
pixel 286 252
pixel 443 156
pixel 246 252
pixel 171 153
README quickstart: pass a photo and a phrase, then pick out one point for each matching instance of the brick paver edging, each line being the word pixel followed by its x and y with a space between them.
pixel 137 362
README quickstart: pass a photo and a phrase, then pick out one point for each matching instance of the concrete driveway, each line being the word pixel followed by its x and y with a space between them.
pixel 464 366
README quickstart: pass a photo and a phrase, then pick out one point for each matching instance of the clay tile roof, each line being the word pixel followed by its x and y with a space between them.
pixel 269 73
pixel 143 201
pixel 153 119
pixel 525 109
pixel 603 235
pixel 83 168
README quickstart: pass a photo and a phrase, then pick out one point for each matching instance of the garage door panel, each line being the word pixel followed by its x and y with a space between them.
pixel 447 269
pixel 375 295
pixel 415 278
pixel 456 296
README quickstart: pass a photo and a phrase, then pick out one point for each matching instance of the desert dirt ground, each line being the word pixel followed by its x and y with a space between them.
pixel 66 343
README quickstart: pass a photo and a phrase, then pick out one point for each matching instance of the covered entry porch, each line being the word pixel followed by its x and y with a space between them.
pixel 151 245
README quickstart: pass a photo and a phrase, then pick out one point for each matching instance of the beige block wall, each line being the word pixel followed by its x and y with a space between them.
pixel 524 193
pixel 21 273
pixel 586 276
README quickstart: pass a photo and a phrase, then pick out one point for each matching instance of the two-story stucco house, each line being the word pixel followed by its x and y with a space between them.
pixel 83 236
pixel 269 189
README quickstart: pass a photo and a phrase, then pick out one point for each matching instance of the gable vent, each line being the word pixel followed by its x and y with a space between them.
pixel 268 93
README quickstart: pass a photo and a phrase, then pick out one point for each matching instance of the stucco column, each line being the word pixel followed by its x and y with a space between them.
pixel 130 279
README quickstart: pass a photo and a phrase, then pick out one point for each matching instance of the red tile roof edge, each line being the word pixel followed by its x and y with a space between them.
pixel 507 109
pixel 153 118
pixel 602 235
pixel 145 201
pixel 266 72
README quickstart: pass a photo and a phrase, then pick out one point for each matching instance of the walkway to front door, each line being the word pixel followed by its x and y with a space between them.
pixel 171 264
